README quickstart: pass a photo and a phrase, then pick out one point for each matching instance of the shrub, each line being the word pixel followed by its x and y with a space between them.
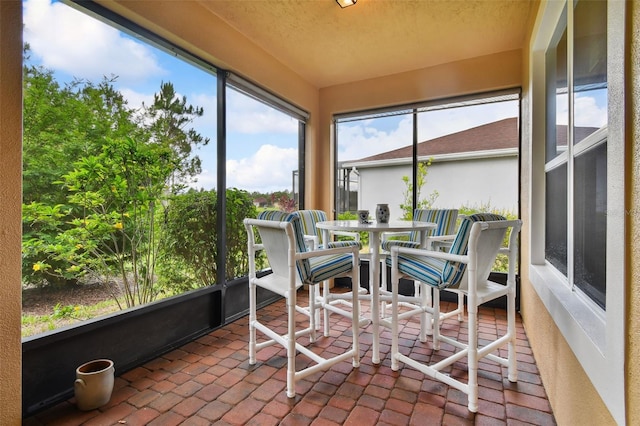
pixel 192 238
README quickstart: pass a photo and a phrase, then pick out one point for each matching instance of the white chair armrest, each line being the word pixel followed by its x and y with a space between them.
pixel 311 241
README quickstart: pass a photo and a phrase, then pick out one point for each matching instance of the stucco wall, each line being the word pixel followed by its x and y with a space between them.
pixel 10 201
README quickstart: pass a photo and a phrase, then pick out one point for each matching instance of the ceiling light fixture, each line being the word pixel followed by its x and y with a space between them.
pixel 346 3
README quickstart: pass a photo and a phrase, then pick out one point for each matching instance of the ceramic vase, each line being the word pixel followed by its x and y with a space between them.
pixel 382 213
pixel 94 384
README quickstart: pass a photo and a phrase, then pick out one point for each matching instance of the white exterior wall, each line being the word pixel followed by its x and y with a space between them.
pixel 472 183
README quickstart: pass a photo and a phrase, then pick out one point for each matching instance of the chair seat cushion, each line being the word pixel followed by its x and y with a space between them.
pixel 340 244
pixel 325 267
pixel 420 268
pixel 386 245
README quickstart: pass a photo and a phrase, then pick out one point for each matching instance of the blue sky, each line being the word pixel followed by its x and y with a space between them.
pixel 262 143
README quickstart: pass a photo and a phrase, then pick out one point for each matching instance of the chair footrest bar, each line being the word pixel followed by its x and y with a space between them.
pixel 275 337
pixel 363 322
pixel 485 351
pixel 322 366
pixel 433 372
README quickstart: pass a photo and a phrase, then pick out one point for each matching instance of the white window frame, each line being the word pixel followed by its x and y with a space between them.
pixel 596 336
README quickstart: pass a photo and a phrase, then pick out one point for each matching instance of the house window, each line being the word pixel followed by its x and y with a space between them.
pixel 576 154
pixel 577 171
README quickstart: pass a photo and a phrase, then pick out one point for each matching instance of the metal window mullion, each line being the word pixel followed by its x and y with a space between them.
pixel 570 150
pixel 221 147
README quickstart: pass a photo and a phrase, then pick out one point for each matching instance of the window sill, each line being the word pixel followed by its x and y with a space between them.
pixel 579 323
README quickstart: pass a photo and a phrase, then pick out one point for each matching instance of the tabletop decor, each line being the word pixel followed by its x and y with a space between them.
pixel 382 213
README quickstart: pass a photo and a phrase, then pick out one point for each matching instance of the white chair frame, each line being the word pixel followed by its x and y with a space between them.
pixel 478 289
pixel 278 240
pixel 422 293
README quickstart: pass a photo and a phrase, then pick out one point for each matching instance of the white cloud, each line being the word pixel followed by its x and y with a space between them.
pixel 134 98
pixel 246 115
pixel 269 169
pixel 360 139
pixel 67 40
pixel 205 180
pixel 207 123
pixel 588 113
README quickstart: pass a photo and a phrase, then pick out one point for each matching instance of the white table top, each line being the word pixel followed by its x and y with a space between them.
pixel 392 226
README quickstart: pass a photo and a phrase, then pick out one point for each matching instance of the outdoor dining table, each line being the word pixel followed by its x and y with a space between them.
pixel 375 229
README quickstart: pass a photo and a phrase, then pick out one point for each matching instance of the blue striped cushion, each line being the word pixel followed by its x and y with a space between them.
pixel 339 244
pixel 303 267
pixel 315 269
pixel 387 244
pixel 437 272
pixel 308 219
pixel 445 220
pixel 325 267
pixel 453 271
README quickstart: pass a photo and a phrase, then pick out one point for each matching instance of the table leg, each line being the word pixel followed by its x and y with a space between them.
pixel 374 283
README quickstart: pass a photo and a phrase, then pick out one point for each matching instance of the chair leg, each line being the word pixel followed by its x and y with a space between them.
pixel 252 321
pixel 436 319
pixel 326 298
pixel 511 329
pixel 355 319
pixel 313 313
pixel 421 290
pixel 291 345
pixel 318 299
pixel 472 355
pixel 394 318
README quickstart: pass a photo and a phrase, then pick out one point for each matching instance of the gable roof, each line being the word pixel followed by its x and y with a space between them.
pixel 499 135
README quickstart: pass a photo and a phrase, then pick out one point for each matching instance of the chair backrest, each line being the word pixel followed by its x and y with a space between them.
pixel 276 251
pixel 445 219
pixel 308 220
pixel 453 272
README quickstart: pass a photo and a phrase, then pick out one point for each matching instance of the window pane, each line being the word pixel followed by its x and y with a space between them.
pixel 261 169
pixel 449 136
pixel 590 223
pixel 590 68
pixel 108 161
pixel 374 156
pixel 557 101
pixel 556 218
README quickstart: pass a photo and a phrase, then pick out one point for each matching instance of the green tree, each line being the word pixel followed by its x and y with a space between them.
pixel 115 237
pixel 64 123
pixel 407 205
pixel 60 125
pixel 171 117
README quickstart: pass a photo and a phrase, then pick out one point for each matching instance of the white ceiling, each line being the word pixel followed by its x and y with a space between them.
pixel 327 45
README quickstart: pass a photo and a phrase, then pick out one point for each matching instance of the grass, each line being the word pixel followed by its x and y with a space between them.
pixel 64 315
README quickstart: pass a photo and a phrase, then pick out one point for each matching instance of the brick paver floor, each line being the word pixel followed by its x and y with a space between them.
pixel 209 381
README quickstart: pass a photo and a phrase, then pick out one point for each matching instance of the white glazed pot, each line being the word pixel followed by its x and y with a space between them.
pixel 94 384
pixel 382 213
